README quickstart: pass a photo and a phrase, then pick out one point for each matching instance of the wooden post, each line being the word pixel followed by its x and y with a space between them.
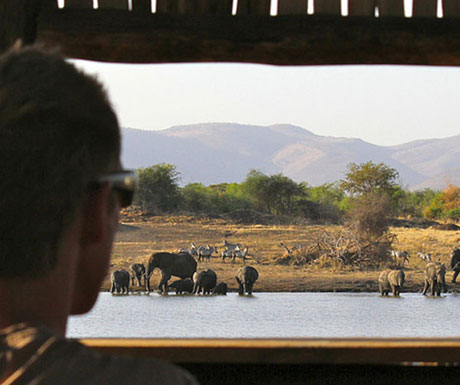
pixel 292 7
pixel 424 8
pixel 327 7
pixel 113 4
pixel 361 8
pixel 391 8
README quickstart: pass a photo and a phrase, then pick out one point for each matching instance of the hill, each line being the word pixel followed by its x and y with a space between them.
pixel 225 152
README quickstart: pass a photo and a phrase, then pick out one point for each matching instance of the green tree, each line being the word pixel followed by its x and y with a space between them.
pixel 414 203
pixel 330 199
pixel 254 187
pixel 368 178
pixel 213 199
pixel 276 193
pixel 195 198
pixel 373 194
pixel 158 189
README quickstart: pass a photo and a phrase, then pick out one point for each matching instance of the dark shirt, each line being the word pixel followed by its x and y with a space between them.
pixel 34 355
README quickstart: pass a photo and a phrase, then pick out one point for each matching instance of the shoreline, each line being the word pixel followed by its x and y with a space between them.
pixel 348 283
pixel 138 238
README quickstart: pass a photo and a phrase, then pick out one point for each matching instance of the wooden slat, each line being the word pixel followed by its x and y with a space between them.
pixel 144 6
pixel 391 8
pixel 214 7
pixel 315 374
pixel 451 8
pixel 292 7
pixel 79 4
pixel 361 8
pixel 174 7
pixel 18 22
pixel 253 7
pixel 49 4
pixel 424 8
pixel 187 7
pixel 166 7
pixel 292 351
pixel 327 7
pixel 179 7
pixel 224 7
pixel 114 4
pixel 129 37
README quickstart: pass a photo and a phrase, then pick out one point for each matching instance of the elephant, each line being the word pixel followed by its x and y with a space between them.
pixel 391 280
pixel 246 276
pixel 137 271
pixel 220 289
pixel 182 286
pixel 204 281
pixel 455 263
pixel 435 278
pixel 181 265
pixel 120 281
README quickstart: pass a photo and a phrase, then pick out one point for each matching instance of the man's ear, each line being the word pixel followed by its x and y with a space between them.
pixel 95 247
pixel 95 214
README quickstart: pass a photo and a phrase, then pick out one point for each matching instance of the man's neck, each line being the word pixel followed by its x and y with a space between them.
pixel 33 303
pixel 44 300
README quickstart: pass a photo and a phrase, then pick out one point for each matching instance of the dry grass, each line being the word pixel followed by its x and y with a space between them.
pixel 137 240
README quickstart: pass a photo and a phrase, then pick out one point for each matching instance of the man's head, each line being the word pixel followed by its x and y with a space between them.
pixel 58 134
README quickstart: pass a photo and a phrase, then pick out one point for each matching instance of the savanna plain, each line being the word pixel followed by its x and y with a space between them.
pixel 138 237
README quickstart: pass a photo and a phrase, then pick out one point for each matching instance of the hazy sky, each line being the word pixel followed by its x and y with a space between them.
pixel 384 105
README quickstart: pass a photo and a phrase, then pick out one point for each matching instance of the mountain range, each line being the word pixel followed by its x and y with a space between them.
pixel 213 153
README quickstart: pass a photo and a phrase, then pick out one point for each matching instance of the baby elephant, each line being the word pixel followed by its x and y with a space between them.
pixel 204 281
pixel 138 271
pixel 435 278
pixel 182 286
pixel 391 280
pixel 220 289
pixel 120 281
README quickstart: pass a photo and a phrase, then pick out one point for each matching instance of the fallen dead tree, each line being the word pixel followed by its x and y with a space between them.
pixel 344 247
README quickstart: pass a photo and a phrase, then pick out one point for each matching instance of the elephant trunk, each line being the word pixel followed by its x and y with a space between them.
pixel 241 287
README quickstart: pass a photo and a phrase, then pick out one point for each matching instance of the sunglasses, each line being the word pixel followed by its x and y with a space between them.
pixel 124 182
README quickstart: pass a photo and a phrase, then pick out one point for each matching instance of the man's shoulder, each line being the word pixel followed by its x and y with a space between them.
pixel 37 354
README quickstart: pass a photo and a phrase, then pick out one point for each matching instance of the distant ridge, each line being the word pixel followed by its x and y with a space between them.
pixel 225 152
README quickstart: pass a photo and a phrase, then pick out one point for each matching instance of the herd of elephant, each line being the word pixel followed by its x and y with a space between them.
pixel 435 277
pixel 184 266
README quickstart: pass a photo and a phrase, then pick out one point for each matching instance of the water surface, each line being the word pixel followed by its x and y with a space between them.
pixel 270 315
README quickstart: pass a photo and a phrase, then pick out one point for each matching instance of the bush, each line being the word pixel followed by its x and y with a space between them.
pixel 158 189
pixel 369 216
pixel 454 214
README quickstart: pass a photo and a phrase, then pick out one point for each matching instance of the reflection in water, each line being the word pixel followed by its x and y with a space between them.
pixel 270 315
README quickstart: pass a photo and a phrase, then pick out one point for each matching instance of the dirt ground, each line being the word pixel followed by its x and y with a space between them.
pixel 138 238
